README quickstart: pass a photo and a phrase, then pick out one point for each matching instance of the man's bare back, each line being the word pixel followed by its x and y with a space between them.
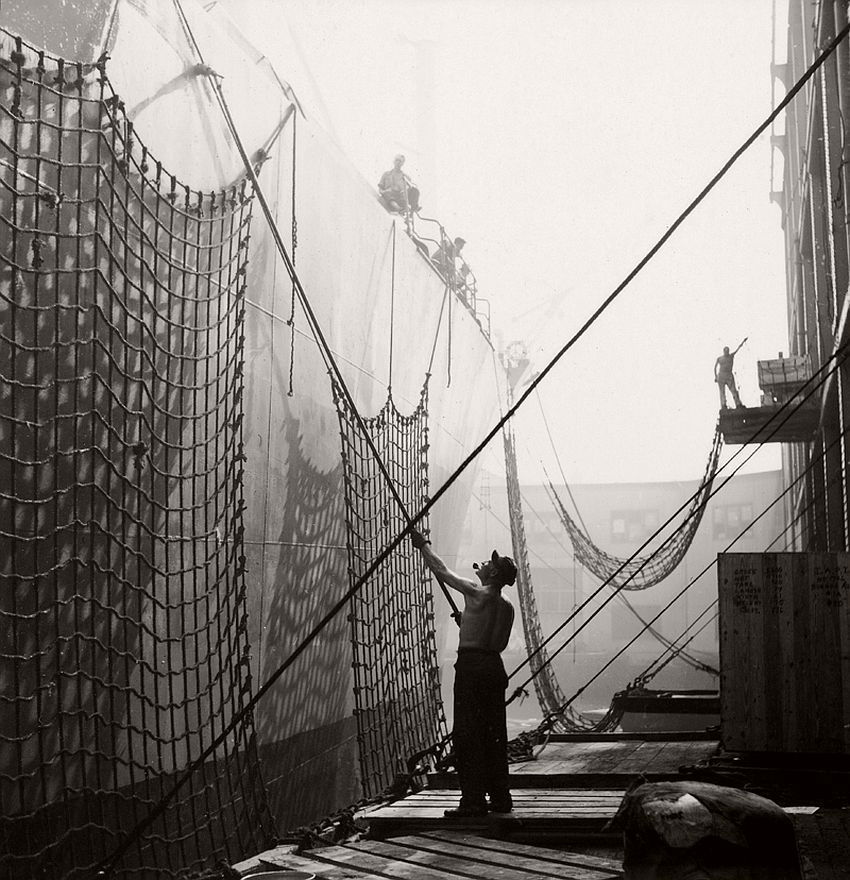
pixel 487 619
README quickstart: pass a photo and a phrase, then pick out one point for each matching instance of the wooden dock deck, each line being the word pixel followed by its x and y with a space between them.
pixel 437 855
pixel 607 761
pixel 570 791
pixel 563 801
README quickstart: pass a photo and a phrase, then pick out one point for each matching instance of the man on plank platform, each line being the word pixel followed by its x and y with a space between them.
pixel 480 729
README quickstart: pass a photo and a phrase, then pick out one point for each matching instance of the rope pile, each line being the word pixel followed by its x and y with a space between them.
pixel 124 649
pixel 396 673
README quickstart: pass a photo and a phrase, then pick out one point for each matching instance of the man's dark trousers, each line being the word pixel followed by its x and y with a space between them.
pixel 480 733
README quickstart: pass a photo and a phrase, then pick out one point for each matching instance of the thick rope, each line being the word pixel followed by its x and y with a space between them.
pixel 511 412
pixel 553 717
pixel 783 413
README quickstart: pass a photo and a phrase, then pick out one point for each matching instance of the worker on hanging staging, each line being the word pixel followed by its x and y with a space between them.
pixel 397 192
pixel 725 378
pixel 480 730
pixel 444 259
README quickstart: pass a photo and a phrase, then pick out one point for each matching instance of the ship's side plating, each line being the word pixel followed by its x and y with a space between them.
pixel 388 321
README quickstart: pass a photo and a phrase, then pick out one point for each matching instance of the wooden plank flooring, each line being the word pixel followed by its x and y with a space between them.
pixel 601 763
pixel 536 812
pixel 823 841
pixel 439 855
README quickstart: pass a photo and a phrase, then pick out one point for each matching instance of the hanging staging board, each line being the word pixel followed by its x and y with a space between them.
pixel 785 651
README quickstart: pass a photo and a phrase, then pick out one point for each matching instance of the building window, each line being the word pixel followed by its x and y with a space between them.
pixel 559 597
pixel 729 520
pixel 628 526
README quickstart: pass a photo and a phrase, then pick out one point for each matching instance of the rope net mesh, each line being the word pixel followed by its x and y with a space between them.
pixel 124 648
pixel 642 572
pixel 554 705
pixel 397 697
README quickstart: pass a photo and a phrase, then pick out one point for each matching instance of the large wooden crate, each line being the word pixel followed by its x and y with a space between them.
pixel 785 651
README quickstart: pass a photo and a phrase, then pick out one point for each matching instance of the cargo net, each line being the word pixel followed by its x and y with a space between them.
pixel 642 572
pixel 561 716
pixel 397 696
pixel 123 640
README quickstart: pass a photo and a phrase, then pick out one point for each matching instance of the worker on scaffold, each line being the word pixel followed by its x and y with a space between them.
pixel 480 727
pixel 725 378
pixel 396 190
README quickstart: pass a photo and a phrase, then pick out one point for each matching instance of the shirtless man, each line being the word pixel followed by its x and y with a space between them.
pixel 725 378
pixel 480 734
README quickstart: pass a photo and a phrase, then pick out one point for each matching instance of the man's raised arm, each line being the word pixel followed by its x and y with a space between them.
pixel 440 569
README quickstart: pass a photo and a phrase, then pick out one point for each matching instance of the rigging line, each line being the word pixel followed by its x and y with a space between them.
pixel 392 315
pixel 324 347
pixel 813 68
pixel 449 347
pixel 816 380
pixel 787 409
pixel 804 509
pixel 294 214
pixel 660 637
pixel 646 672
pixel 558 461
pixel 731 544
pixel 649 673
pixel 109 861
pixel 437 331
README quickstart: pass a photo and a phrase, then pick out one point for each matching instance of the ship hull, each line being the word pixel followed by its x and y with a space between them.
pixel 388 326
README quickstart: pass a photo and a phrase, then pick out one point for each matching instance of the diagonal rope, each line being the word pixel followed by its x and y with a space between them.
pixel 777 419
pixel 550 720
pixel 828 51
pixel 818 380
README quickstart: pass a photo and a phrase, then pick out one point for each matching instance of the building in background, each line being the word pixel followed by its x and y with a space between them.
pixel 619 518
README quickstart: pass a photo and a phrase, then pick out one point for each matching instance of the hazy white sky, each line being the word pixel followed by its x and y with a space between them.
pixel 561 138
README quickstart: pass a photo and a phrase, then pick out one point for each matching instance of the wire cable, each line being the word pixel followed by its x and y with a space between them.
pixel 554 715
pixel 788 408
pixel 107 864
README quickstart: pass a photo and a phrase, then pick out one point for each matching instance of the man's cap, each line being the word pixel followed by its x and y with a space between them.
pixel 398 156
pixel 460 241
pixel 506 568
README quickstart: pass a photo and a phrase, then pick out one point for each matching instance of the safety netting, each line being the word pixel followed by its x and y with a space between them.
pixel 397 694
pixel 642 572
pixel 562 717
pixel 123 646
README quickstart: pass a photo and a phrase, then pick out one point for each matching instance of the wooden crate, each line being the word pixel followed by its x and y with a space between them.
pixel 785 652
